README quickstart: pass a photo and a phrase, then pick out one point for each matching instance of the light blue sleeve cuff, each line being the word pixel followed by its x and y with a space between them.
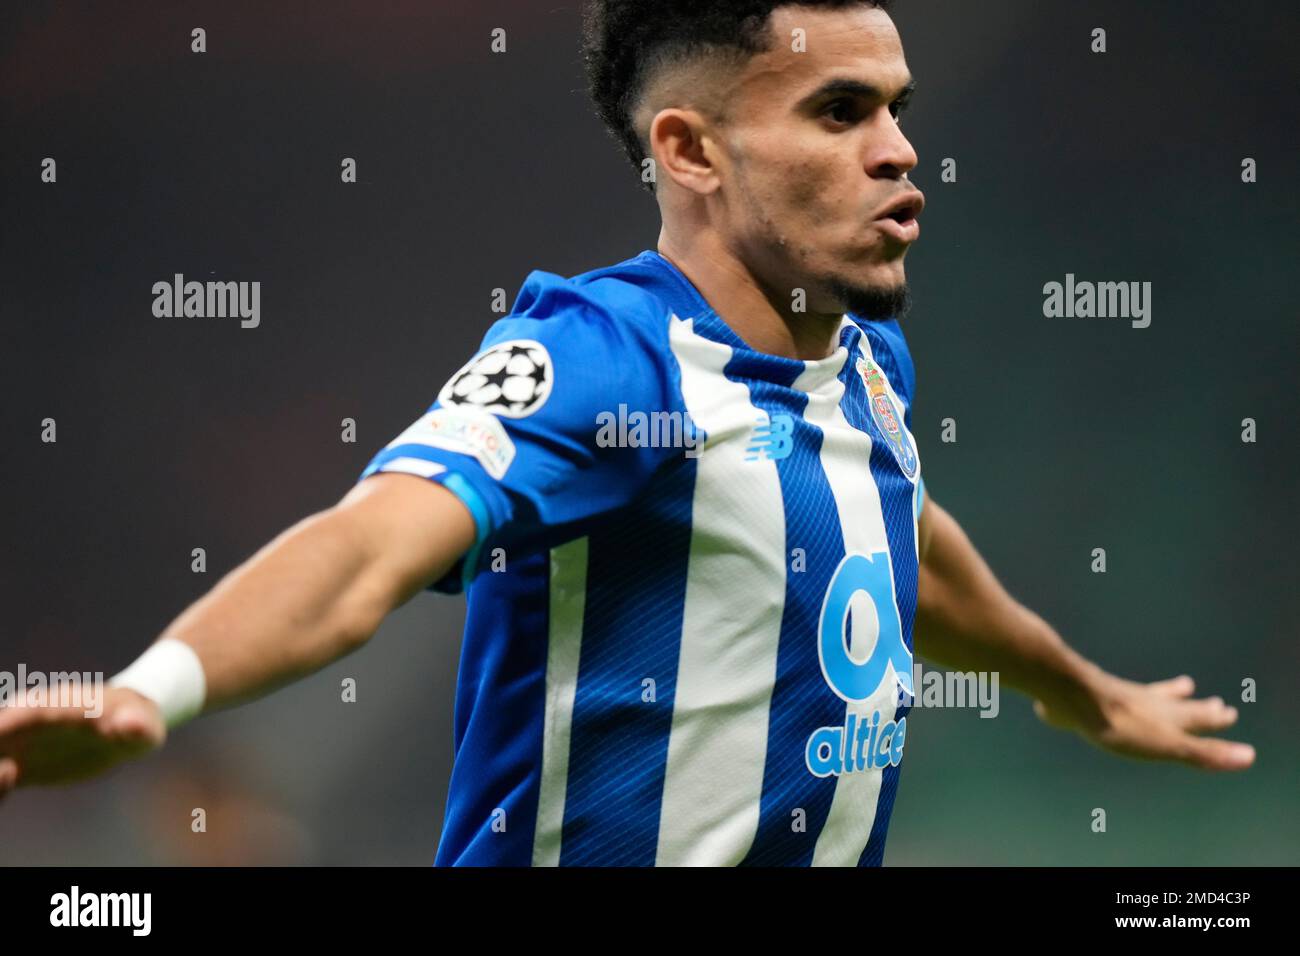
pixel 472 500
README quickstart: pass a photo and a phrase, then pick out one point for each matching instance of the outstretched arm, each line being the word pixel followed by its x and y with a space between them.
pixel 966 620
pixel 315 593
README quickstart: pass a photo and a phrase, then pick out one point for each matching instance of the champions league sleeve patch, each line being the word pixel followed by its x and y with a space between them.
pixel 512 379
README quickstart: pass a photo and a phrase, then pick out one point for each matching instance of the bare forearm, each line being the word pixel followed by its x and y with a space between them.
pixel 317 591
pixel 301 602
pixel 966 620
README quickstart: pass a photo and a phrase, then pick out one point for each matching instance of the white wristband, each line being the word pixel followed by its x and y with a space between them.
pixel 170 674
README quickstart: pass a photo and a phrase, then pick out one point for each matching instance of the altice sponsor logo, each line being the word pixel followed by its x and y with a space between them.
pixel 208 300
pixel 74 908
pixel 869 739
pixel 862 742
pixel 57 688
pixel 858 745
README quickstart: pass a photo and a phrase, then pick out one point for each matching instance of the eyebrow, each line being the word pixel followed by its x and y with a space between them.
pixel 849 87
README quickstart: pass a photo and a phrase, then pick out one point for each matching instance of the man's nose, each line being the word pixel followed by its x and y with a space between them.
pixel 890 155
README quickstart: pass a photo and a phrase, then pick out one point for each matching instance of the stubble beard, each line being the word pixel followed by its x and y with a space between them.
pixel 872 303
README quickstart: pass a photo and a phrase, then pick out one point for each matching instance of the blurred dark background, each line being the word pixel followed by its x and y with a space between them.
pixel 475 168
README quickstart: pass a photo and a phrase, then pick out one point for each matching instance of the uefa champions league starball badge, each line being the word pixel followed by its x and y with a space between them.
pixel 511 379
pixel 887 416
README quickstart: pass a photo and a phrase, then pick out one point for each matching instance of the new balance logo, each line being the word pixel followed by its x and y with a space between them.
pixel 772 439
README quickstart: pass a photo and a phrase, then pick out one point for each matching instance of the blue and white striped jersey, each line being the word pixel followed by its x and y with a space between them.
pixel 692 590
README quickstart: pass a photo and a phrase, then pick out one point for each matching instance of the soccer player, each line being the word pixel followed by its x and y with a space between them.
pixel 683 495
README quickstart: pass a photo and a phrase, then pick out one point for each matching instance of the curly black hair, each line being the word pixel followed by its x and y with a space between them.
pixel 623 41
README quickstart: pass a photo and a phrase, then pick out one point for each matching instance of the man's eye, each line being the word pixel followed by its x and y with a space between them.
pixel 841 111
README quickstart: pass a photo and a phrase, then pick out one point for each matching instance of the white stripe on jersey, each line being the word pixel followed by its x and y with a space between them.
pixel 845 458
pixel 735 586
pixel 567 607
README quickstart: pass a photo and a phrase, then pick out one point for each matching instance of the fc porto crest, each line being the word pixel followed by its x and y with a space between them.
pixel 888 416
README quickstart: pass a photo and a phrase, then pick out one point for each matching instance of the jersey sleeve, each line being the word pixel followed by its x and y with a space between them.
pixel 515 432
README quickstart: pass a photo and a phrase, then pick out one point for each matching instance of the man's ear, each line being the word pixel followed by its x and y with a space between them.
pixel 684 149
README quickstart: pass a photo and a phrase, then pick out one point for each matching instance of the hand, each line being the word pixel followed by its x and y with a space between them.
pixel 42 743
pixel 1157 721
